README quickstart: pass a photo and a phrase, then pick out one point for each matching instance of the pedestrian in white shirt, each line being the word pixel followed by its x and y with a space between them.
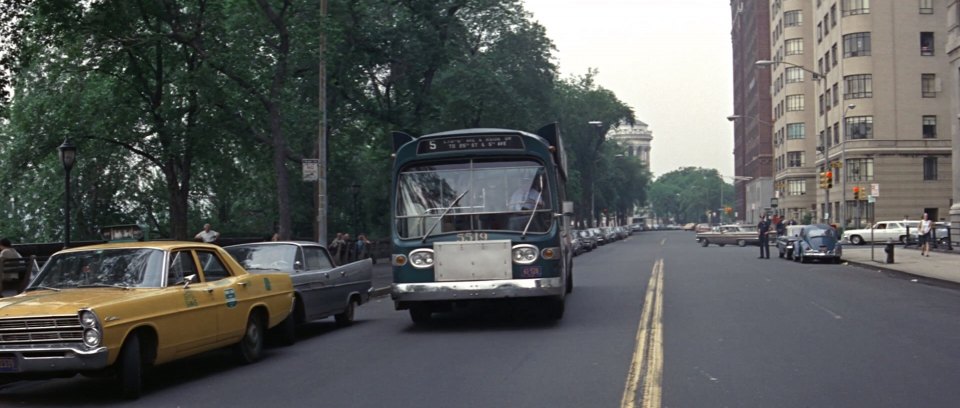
pixel 208 235
pixel 926 225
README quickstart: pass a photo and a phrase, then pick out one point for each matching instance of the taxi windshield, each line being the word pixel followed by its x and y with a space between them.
pixel 125 268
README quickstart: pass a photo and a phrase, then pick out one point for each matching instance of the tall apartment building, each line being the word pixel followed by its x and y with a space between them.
pixel 952 10
pixel 880 116
pixel 753 153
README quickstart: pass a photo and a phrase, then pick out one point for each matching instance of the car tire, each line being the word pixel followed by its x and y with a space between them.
pixel 285 333
pixel 250 347
pixel 569 284
pixel 555 308
pixel 130 368
pixel 802 258
pixel 345 318
pixel 721 245
pixel 856 240
pixel 420 314
pixel 781 253
pixel 704 242
pixel 903 240
pixel 741 243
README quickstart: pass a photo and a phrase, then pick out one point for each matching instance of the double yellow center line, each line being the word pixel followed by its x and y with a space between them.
pixel 646 368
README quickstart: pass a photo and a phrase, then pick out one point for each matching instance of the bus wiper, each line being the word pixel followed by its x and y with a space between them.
pixel 445 211
pixel 535 205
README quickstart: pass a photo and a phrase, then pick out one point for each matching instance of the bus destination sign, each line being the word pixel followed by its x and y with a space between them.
pixel 476 142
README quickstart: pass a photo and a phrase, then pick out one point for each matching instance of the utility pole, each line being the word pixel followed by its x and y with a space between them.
pixel 322 140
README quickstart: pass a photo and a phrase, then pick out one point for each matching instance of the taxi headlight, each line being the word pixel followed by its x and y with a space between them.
pixel 421 258
pixel 524 254
pixel 88 320
pixel 91 337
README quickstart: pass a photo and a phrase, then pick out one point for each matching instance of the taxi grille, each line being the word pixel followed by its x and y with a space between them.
pixel 38 330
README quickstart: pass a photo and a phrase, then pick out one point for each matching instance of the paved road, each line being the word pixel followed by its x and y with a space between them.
pixel 714 327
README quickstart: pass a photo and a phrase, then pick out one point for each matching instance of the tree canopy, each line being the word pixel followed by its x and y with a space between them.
pixel 187 112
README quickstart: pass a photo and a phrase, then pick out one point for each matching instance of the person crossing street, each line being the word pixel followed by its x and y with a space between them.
pixel 763 229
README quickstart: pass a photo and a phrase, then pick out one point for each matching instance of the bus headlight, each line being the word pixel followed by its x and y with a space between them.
pixel 524 254
pixel 421 258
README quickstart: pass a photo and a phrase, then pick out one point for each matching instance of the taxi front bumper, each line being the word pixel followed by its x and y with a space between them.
pixel 50 358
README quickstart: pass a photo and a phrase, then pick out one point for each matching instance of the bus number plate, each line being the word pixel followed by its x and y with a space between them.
pixel 471 236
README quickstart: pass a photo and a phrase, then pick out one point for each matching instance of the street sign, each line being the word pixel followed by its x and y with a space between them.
pixel 875 190
pixel 871 199
pixel 311 169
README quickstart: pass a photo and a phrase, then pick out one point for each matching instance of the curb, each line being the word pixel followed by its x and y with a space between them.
pixel 881 267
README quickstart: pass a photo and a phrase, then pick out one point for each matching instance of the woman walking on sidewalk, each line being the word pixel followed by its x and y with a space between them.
pixel 925 226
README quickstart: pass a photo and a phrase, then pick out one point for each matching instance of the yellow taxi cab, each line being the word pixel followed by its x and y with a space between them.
pixel 121 307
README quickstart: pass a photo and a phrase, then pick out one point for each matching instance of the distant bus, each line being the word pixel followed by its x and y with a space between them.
pixel 479 214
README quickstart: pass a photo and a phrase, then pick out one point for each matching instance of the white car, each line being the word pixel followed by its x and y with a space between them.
pixel 881 232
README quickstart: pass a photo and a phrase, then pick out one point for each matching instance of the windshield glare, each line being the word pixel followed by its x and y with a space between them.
pixel 140 267
pixel 275 257
pixel 500 196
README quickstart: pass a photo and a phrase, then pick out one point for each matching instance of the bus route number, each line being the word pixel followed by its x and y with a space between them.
pixel 472 236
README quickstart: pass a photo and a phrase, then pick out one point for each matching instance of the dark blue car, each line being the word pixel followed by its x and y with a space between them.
pixel 818 241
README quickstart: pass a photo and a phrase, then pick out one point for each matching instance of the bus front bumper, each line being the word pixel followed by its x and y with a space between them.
pixel 471 290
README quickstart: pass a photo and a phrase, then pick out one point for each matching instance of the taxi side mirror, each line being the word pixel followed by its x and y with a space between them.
pixel 187 280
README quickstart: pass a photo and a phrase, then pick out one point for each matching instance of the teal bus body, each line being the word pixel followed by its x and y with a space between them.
pixel 479 214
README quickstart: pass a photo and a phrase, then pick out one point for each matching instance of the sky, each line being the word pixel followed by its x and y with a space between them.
pixel 669 60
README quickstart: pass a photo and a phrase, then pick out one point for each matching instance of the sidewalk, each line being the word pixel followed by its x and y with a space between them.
pixel 940 265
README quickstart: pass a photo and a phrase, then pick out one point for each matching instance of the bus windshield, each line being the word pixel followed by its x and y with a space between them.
pixel 501 195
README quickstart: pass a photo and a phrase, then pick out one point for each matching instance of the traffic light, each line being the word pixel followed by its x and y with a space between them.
pixel 856 193
pixel 829 179
pixel 823 179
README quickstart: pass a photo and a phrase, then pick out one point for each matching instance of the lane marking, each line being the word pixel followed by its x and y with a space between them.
pixel 663 241
pixel 830 312
pixel 646 367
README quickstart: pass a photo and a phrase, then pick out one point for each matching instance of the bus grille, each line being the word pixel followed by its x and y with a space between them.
pixel 39 330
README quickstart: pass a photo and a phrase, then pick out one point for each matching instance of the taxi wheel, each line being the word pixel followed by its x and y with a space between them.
pixel 250 347
pixel 345 318
pixel 741 243
pixel 704 242
pixel 130 368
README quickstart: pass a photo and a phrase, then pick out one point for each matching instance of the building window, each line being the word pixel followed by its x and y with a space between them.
pixel 794 103
pixel 833 15
pixel 854 7
pixel 836 95
pixel 819 32
pixel 794 75
pixel 793 46
pixel 796 130
pixel 826 24
pixel 859 127
pixel 926 6
pixel 856 45
pixel 928 85
pixel 834 49
pixel 929 127
pixel 792 18
pixel 820 100
pixel 796 187
pixel 860 170
pixel 858 86
pixel 794 159
pixel 926 44
pixel 836 130
pixel 929 168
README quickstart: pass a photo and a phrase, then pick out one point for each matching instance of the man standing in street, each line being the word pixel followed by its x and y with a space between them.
pixel 764 227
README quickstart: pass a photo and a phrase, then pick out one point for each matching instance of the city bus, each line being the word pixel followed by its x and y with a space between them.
pixel 479 215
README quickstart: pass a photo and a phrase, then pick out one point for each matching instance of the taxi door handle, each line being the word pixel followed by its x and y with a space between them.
pixel 244 284
pixel 209 290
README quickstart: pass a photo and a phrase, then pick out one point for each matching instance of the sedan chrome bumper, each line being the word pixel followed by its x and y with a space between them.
pixel 469 290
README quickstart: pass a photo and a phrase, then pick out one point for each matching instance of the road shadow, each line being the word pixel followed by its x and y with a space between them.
pixel 501 315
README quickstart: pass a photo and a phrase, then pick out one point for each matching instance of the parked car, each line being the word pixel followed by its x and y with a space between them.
pixel 576 245
pixel 322 289
pixel 940 231
pixel 881 232
pixel 587 239
pixel 702 228
pixel 601 237
pixel 741 235
pixel 818 241
pixel 787 241
pixel 119 308
pixel 690 226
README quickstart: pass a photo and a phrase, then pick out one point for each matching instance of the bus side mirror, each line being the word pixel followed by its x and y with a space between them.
pixel 568 208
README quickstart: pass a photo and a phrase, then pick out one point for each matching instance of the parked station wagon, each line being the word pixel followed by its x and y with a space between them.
pixel 731 234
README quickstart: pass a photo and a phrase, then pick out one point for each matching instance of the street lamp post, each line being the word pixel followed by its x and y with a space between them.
pixel 593 172
pixel 820 78
pixel 843 165
pixel 68 156
pixel 355 189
